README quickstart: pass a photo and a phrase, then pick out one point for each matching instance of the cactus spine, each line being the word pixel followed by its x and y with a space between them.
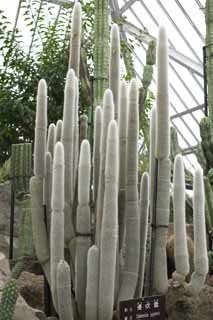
pixel 8 300
pixel 109 229
pixel 181 250
pixel 131 264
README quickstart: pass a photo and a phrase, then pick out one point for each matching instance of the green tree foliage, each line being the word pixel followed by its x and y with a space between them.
pixel 46 57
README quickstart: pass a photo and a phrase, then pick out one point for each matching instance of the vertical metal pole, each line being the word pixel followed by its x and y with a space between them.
pixel 12 207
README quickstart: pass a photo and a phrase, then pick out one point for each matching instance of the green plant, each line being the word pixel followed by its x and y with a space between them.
pixel 8 300
pixel 5 171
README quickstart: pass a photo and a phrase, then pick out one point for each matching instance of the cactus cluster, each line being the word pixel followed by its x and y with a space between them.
pixel 201 266
pixel 92 237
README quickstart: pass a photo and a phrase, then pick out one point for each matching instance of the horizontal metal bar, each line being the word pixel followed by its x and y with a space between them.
pixel 173 53
pixel 191 110
pixel 61 2
pixel 189 150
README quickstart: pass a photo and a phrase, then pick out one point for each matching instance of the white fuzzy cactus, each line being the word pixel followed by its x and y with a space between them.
pixel 129 275
pixel 144 214
pixel 108 115
pixel 67 140
pixel 162 116
pixel 40 130
pixel 96 150
pixel 83 241
pixel 200 255
pixel 109 229
pixel 180 244
pixel 92 284
pixel 57 218
pixel 75 41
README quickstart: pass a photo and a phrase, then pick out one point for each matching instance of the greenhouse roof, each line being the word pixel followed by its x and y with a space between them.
pixel 185 23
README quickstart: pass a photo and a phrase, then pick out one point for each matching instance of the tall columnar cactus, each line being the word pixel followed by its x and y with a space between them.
pixel 65 309
pixel 25 247
pixel 75 41
pixel 162 151
pixel 48 190
pixel 83 127
pixel 147 74
pixel 123 114
pixel 57 218
pixel 8 300
pixel 83 241
pixel 36 183
pixel 96 150
pixel 51 138
pixel 200 256
pixel 40 130
pixel 129 275
pixel 101 50
pixel 114 68
pixel 180 247
pixel 152 183
pixel 91 303
pixel 108 114
pixel 67 140
pixel 209 62
pixel 109 229
pixel 144 213
pixel 58 133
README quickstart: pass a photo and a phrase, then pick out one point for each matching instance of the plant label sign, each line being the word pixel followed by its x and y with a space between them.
pixel 143 308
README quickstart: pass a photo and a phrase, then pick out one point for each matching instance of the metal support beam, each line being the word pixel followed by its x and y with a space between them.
pixel 189 111
pixel 61 2
pixel 173 53
pixel 190 21
pixel 189 150
pixel 126 6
